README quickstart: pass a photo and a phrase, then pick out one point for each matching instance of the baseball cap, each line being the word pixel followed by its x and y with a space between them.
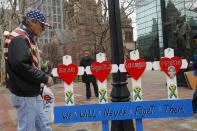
pixel 37 15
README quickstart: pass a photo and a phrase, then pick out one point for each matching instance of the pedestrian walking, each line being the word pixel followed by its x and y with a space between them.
pixel 87 79
pixel 24 75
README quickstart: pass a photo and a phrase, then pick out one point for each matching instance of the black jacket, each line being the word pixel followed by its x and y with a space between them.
pixel 86 61
pixel 24 78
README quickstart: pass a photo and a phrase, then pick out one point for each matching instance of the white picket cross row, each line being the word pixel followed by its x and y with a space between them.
pixel 69 94
pixel 101 85
pixel 136 84
pixel 169 52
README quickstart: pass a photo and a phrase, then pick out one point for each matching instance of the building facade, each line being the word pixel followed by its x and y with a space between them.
pixel 81 20
pixel 91 29
pixel 162 24
pixel 127 33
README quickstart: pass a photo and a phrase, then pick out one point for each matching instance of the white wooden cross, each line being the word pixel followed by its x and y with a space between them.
pixel 102 86
pixel 136 84
pixel 69 94
pixel 169 53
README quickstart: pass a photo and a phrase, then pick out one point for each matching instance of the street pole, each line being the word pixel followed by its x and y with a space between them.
pixel 120 92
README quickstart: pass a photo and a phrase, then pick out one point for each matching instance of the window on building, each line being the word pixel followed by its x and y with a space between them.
pixel 59 18
pixel 54 10
pixel 51 34
pixel 128 36
pixel 54 18
pixel 46 40
pixel 59 26
pixel 43 1
pixel 56 2
pixel 76 21
pixel 49 10
pixel 54 25
pixel 49 2
pixel 44 9
pixel 58 11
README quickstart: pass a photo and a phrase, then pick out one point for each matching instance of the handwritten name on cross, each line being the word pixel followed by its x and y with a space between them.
pixel 172 63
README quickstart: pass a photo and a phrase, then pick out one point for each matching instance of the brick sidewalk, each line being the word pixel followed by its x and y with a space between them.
pixel 153 88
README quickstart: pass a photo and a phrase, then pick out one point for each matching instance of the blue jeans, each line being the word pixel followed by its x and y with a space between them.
pixel 30 113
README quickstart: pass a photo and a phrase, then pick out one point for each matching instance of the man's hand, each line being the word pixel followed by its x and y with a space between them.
pixel 50 81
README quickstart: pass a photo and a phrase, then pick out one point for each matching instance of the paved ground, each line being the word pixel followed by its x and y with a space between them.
pixel 153 88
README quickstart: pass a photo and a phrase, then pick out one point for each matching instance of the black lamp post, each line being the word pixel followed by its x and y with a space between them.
pixel 120 92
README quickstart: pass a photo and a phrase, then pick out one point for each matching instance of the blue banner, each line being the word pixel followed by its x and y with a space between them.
pixel 123 111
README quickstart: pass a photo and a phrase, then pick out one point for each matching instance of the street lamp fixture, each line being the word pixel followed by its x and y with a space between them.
pixel 120 92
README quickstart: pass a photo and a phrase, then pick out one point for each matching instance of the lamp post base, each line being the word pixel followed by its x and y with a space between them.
pixel 120 93
pixel 122 125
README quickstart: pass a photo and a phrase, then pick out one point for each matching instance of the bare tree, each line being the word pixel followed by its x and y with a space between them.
pixel 8 15
pixel 11 11
pixel 100 31
pixel 53 52
pixel 192 6
pixel 127 8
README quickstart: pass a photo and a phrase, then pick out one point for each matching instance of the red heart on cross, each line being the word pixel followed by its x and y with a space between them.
pixel 135 67
pixel 170 65
pixel 101 70
pixel 67 72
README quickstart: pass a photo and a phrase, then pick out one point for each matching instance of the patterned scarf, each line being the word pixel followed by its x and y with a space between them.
pixel 31 44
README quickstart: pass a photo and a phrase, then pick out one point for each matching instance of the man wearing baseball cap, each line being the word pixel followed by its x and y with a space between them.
pixel 24 74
